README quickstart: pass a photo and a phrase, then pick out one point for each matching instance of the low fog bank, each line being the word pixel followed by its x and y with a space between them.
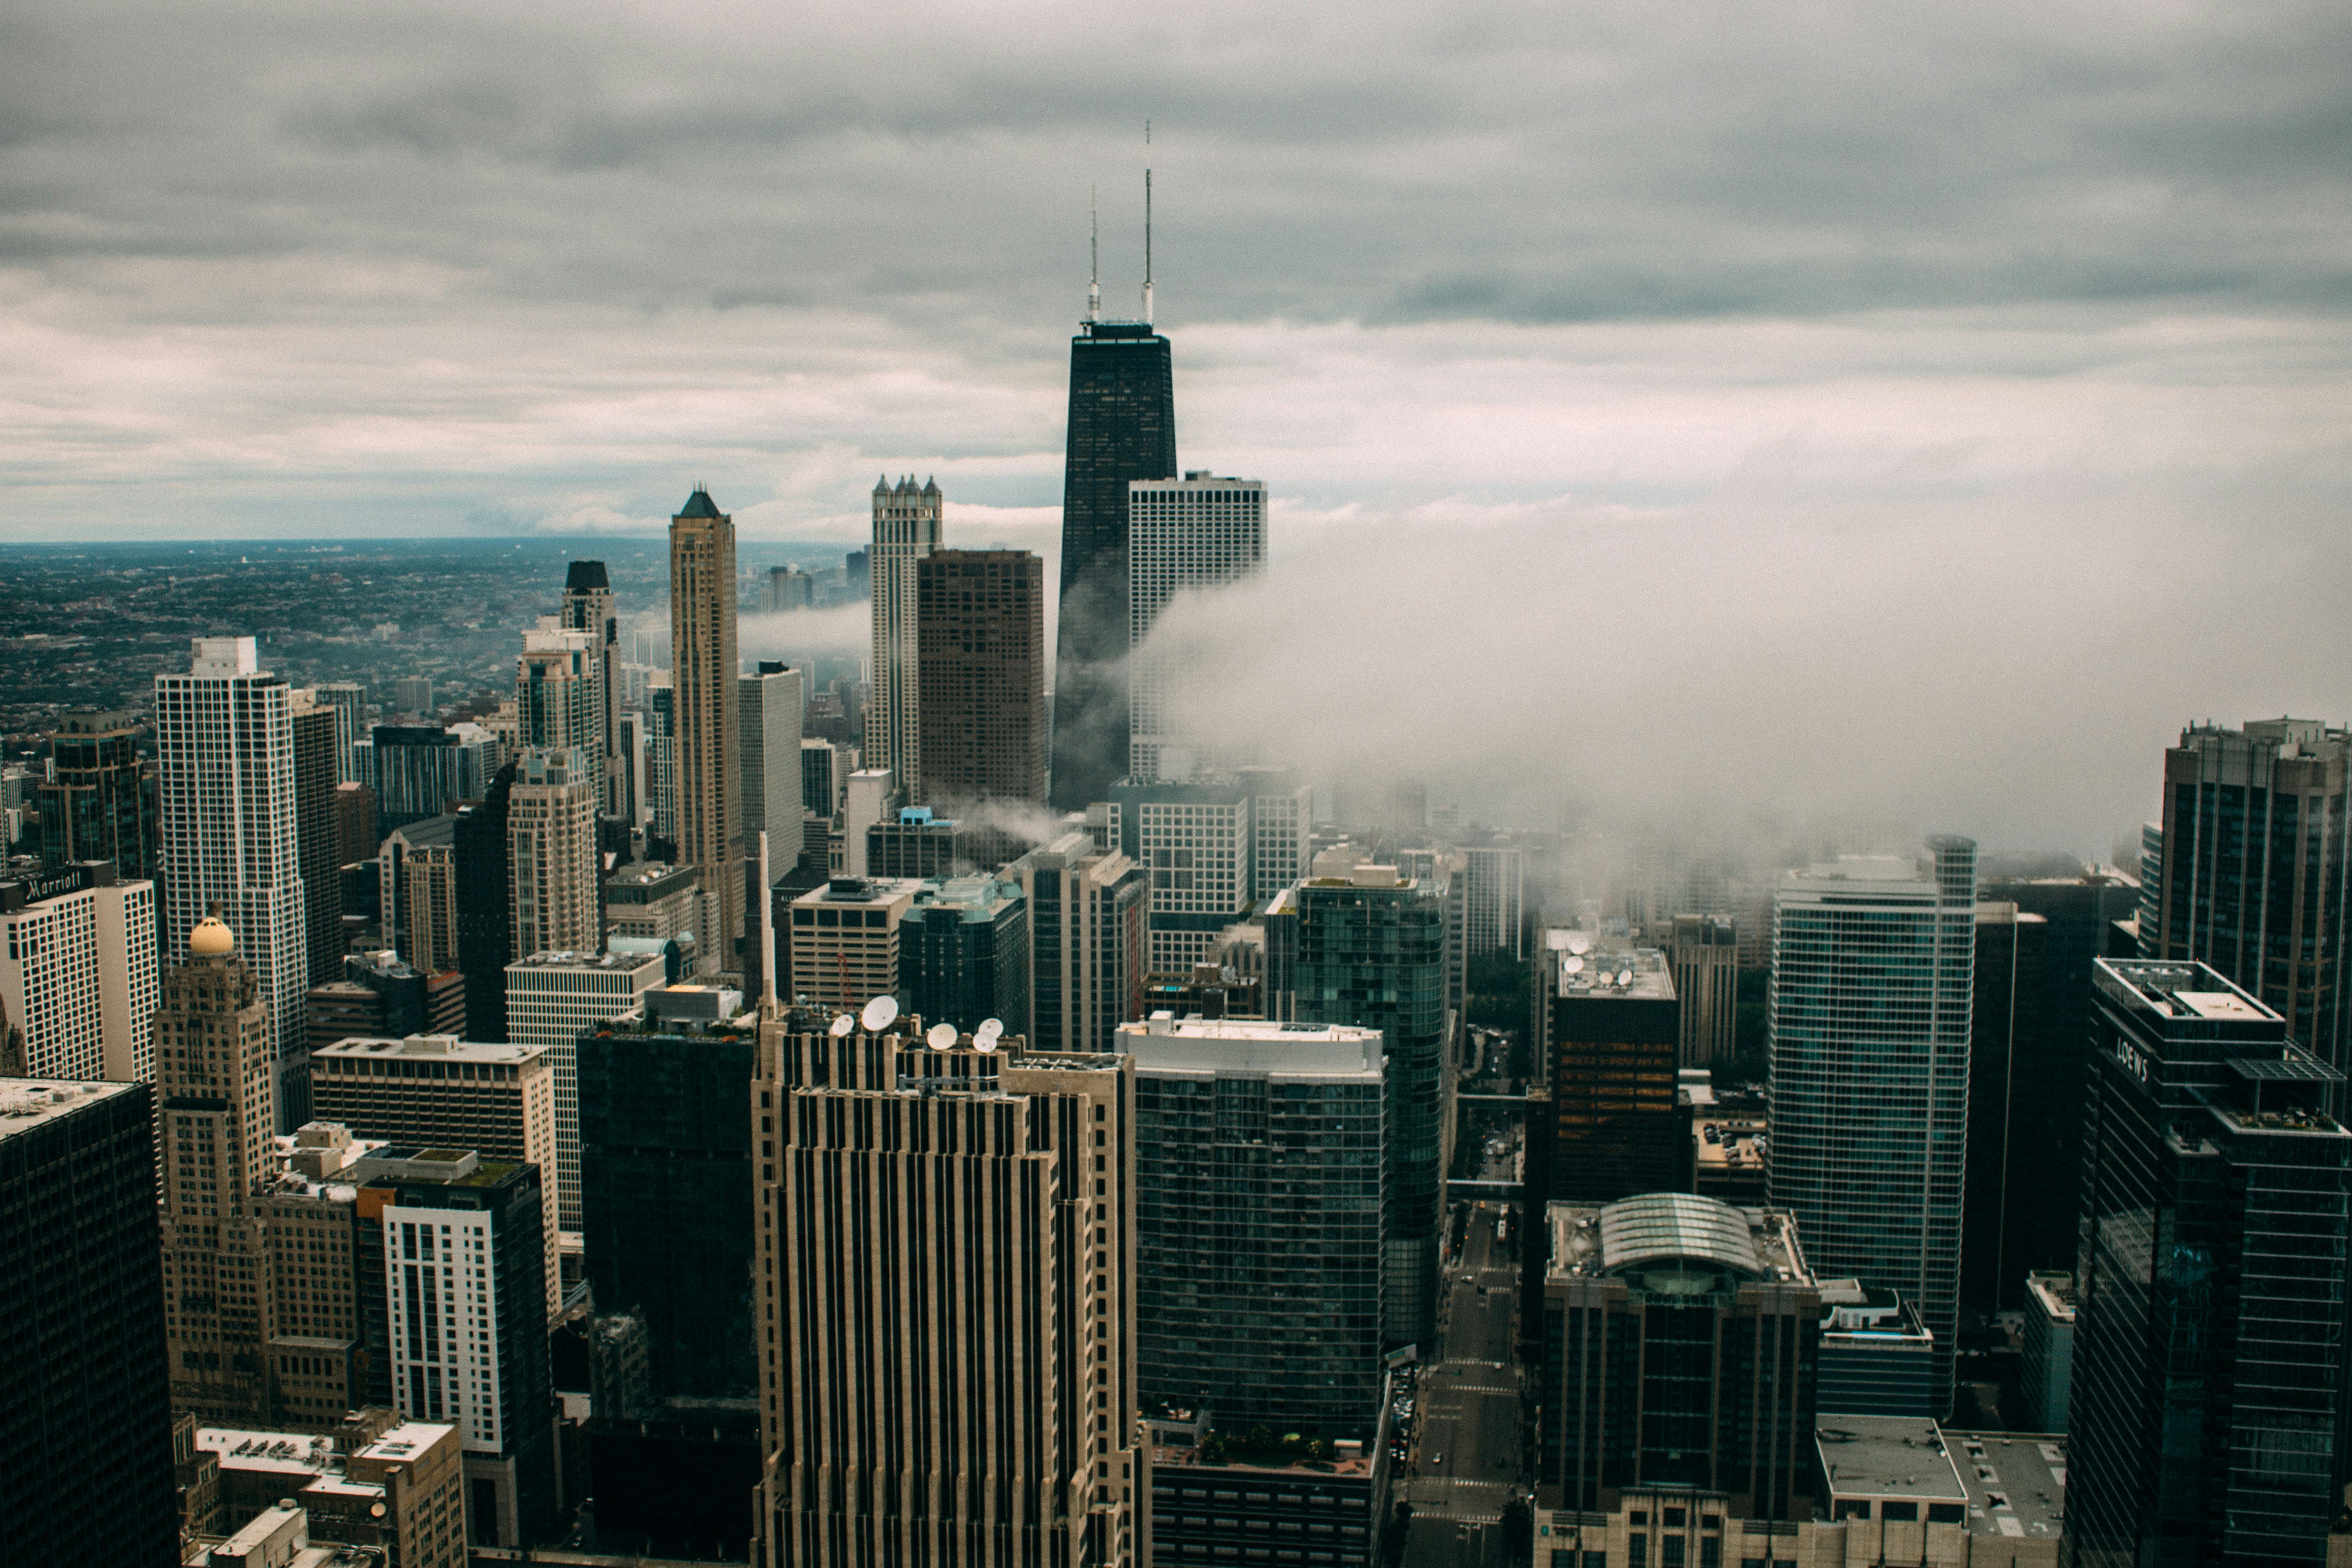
pixel 2010 666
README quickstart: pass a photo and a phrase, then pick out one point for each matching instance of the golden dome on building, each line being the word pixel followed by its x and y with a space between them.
pixel 210 938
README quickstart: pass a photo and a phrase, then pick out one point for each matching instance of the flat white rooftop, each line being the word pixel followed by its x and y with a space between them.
pixel 28 1102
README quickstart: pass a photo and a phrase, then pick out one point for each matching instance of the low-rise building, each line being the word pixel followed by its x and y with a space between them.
pixel 1216 1497
pixel 846 940
pixel 651 899
pixel 376 1481
pixel 2045 1381
pixel 1878 1359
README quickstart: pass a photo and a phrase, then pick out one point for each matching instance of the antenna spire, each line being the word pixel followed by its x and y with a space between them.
pixel 1147 226
pixel 1094 255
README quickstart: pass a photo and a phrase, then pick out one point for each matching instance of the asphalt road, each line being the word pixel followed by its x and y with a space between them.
pixel 1466 1450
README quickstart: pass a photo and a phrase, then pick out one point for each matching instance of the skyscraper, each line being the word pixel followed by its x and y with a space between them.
pixel 2209 1367
pixel 473 1354
pixel 1874 960
pixel 550 998
pixel 1198 838
pixel 1705 955
pixel 708 717
pixel 980 617
pixel 1200 532
pixel 2256 869
pixel 1122 427
pixel 1260 1169
pixel 2026 1068
pixel 99 801
pixel 486 917
pixel 588 606
pixel 551 855
pixel 771 698
pixel 418 893
pixel 1371 953
pixel 318 761
pixel 1089 942
pixel 1608 1027
pixel 905 529
pixel 845 937
pixel 963 952
pixel 1493 900
pixel 215 1062
pixel 559 697
pixel 418 770
pixel 77 972
pixel 345 697
pixel 85 1428
pixel 225 743
pixel 946 1296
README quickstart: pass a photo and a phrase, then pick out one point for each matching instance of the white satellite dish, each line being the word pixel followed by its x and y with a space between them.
pixel 1556 940
pixel 941 1036
pixel 983 1042
pixel 1574 966
pixel 1624 977
pixel 842 1026
pixel 1579 942
pixel 984 1038
pixel 879 1014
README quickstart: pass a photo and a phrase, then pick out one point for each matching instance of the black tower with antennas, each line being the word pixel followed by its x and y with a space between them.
pixel 1122 427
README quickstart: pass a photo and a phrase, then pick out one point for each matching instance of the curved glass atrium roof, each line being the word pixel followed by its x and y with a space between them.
pixel 1661 1225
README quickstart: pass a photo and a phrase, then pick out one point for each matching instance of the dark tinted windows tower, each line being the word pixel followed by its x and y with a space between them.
pixel 484 921
pixel 1122 427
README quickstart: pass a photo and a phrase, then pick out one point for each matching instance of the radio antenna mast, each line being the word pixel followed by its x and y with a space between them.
pixel 1147 224
pixel 1094 255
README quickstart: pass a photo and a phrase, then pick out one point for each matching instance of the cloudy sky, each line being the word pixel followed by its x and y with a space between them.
pixel 1937 403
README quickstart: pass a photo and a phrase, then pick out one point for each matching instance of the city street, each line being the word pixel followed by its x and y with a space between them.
pixel 1466 1452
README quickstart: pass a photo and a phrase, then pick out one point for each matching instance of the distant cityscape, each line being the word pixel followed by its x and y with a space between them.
pixel 494 1063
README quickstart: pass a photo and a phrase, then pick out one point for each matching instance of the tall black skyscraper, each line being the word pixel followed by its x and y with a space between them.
pixel 485 920
pixel 1122 427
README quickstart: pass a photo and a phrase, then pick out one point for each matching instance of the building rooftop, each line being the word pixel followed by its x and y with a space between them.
pixel 1660 1227
pixel 316 1160
pixel 1878 1457
pixel 1352 1463
pixel 279 1453
pixel 406 1441
pixel 861 891
pixel 642 882
pixel 1164 1045
pixel 1735 1144
pixel 980 897
pixel 2175 990
pixel 2016 1482
pixel 434 1047
pixel 2053 1292
pixel 28 1102
pixel 700 505
pixel 1598 973
pixel 591 963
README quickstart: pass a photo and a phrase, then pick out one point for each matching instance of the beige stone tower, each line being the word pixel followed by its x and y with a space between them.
pixel 709 718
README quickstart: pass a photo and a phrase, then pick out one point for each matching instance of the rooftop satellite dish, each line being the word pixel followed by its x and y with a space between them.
pixel 842 1026
pixel 986 1036
pixel 983 1042
pixel 1579 942
pixel 1574 966
pixel 941 1036
pixel 879 1014
pixel 1624 977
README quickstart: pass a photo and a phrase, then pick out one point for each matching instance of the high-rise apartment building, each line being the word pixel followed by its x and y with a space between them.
pixel 310 1210
pixel 648 899
pixel 1260 1171
pixel 413 694
pixel 216 1061
pixel 1703 953
pixel 946 1296
pixel 382 996
pixel 588 606
pixel 560 696
pixel 1609 1026
pixel 320 757
pixel 99 801
pixel 486 916
pixel 846 940
pixel 666 1224
pixel 1122 427
pixel 1873 963
pixel 86 1456
pixel 2255 870
pixel 661 761
pixel 550 998
pixel 421 770
pixel 825 768
pixel 78 972
pixel 2026 1068
pixel 345 697
pixel 981 687
pixel 354 823
pixel 430 1091
pixel 1282 826
pixel 788 588
pixel 1371 952
pixel 708 717
pixel 552 861
pixel 1680 1342
pixel 905 529
pixel 417 890
pixel 225 744
pixel 771 698
pixel 464 1265
pixel 1494 895
pixel 2208 1364
pixel 1199 532
pixel 1089 942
